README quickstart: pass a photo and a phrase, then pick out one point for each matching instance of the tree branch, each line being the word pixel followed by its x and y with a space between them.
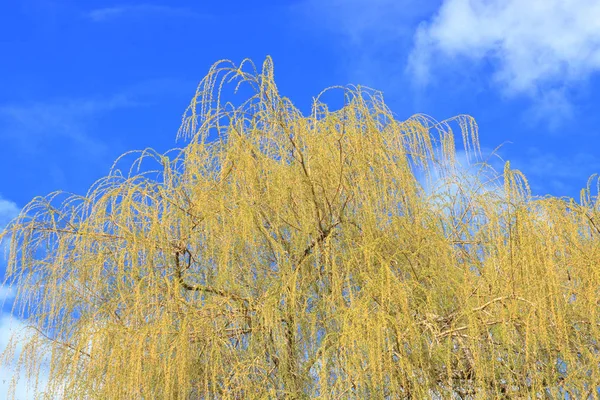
pixel 202 288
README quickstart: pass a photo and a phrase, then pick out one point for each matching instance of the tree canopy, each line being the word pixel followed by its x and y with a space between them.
pixel 282 255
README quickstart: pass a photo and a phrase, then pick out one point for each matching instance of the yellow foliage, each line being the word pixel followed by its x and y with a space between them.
pixel 279 255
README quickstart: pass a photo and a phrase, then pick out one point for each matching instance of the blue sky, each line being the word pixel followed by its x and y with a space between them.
pixel 81 82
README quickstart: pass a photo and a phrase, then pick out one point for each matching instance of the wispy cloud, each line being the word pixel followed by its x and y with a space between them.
pixel 558 174
pixel 8 211
pixel 372 34
pixel 473 173
pixel 362 21
pixel 533 45
pixel 7 293
pixel 24 389
pixel 33 124
pixel 11 325
pixel 56 133
pixel 124 10
pixel 551 106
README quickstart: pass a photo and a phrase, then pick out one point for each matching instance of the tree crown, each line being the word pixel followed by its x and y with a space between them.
pixel 283 255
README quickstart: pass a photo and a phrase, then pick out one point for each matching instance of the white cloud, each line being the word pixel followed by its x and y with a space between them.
pixel 8 211
pixel 24 390
pixel 109 13
pixel 468 174
pixel 10 325
pixel 533 44
pixel 7 293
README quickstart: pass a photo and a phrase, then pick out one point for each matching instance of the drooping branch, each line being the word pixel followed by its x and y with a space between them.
pixel 318 241
pixel 202 288
pixel 59 342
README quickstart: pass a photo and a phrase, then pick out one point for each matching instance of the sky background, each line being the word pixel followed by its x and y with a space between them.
pixel 82 82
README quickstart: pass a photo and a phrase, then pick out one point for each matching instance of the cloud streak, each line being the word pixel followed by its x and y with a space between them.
pixel 126 10
pixel 35 123
pixel 32 125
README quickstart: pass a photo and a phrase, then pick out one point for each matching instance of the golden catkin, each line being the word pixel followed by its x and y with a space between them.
pixel 279 255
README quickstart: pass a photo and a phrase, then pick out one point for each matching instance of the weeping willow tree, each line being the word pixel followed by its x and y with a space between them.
pixel 279 255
